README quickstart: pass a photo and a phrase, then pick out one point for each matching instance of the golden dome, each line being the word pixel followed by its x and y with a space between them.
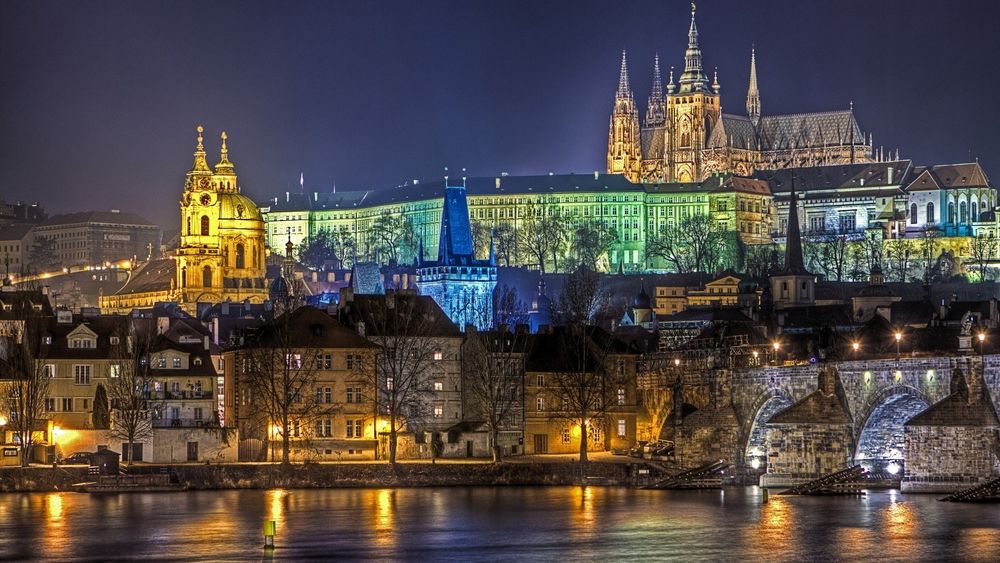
pixel 238 207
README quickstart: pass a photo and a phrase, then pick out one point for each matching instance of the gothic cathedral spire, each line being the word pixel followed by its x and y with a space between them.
pixel 753 95
pixel 656 108
pixel 624 156
pixel 693 78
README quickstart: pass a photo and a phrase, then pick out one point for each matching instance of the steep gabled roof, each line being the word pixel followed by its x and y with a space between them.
pixel 733 131
pixel 968 174
pixel 809 130
pixel 154 275
pixel 925 181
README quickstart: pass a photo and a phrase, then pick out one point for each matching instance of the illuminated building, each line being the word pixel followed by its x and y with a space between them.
pixel 686 137
pixel 93 238
pixel 222 253
pixel 460 284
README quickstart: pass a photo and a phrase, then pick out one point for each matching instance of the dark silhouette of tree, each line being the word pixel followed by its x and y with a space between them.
pixel 101 417
pixel 24 385
pixel 493 370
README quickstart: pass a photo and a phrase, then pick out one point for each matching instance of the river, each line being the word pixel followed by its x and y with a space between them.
pixel 479 524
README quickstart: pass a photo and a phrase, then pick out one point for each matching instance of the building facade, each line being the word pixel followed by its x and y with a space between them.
pixel 98 238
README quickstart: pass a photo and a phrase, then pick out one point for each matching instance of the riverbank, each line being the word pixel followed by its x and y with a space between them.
pixel 336 475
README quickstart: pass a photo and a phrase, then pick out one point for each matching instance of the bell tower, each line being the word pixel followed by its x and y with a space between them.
pixel 624 155
pixel 693 110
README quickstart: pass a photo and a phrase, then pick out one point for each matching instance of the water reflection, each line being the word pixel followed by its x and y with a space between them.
pixel 486 524
pixel 384 516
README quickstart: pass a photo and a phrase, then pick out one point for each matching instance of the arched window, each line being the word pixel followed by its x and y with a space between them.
pixel 975 211
pixel 685 139
pixel 963 213
pixel 184 276
pixel 951 212
pixel 204 225
pixel 913 213
pixel 189 225
pixel 930 212
pixel 240 257
pixel 206 277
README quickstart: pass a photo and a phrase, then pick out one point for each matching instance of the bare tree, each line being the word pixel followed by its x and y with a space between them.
pixel 508 309
pixel 393 238
pixel 543 234
pixel 493 369
pixel 25 383
pixel 930 253
pixel 583 296
pixel 505 243
pixel 279 374
pixel 695 244
pixel 480 238
pixel 130 381
pixel 591 241
pixel 760 260
pixel 403 327
pixel 584 382
pixel 983 250
pixel 899 259
pixel 827 253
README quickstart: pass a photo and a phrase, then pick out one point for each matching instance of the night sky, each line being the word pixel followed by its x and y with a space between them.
pixel 99 100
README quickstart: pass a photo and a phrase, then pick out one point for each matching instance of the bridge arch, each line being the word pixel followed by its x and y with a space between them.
pixel 753 433
pixel 878 443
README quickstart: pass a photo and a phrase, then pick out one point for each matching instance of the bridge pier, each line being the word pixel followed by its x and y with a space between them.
pixel 953 444
pixel 811 438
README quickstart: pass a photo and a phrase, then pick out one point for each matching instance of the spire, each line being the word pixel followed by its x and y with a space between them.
pixel 716 87
pixel 200 164
pixel 670 84
pixel 793 243
pixel 624 90
pixel 224 166
pixel 693 78
pixel 753 95
pixel 656 109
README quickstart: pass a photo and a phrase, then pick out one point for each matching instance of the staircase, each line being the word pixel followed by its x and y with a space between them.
pixel 848 481
pixel 708 476
pixel 987 491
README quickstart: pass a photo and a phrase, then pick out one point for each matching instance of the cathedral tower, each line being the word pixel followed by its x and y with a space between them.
pixel 692 112
pixel 656 109
pixel 624 156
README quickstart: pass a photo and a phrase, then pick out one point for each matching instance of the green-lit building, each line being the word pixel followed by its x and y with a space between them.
pixel 631 211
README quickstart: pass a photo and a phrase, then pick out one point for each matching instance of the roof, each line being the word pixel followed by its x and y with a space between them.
pixel 407 307
pixel 366 279
pixel 151 276
pixel 558 349
pixel 14 232
pixel 958 175
pixel 23 298
pixel 809 130
pixel 651 140
pixel 734 131
pixel 746 185
pixel 815 408
pixel 107 217
pixel 836 177
pixel 312 328
pixel 455 243
pixel 103 326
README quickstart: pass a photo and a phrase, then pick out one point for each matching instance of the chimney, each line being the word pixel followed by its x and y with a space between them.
pixel 215 330
pixel 890 175
pixel 361 328
pixel 207 342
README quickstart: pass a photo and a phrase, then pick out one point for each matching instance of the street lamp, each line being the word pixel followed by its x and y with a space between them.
pixel 855 346
pixel 755 354
pixel 777 346
pixel 899 338
pixel 982 340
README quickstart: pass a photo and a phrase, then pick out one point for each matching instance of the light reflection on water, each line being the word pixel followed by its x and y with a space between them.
pixel 571 523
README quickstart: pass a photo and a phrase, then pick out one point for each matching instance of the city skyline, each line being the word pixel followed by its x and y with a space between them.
pixel 106 99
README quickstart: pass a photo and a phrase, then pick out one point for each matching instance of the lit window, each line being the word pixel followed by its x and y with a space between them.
pixel 438 355
pixel 438 386
pixel 438 411
pixel 621 428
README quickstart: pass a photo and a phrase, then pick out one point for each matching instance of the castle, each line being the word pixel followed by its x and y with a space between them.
pixel 222 249
pixel 685 136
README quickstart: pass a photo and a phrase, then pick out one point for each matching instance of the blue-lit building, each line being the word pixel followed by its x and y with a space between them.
pixel 460 284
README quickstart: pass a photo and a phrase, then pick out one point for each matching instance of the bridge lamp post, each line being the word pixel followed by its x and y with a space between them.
pixel 755 354
pixel 777 346
pixel 855 346
pixel 982 340
pixel 899 338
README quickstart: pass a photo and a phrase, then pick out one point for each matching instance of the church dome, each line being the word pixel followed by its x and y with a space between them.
pixel 238 207
pixel 278 290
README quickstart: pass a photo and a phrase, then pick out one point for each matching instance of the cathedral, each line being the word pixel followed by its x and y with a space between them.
pixel 685 136
pixel 221 256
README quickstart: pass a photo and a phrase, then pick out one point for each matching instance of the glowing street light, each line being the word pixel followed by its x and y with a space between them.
pixel 982 340
pixel 777 346
pixel 899 338
pixel 855 346
pixel 677 362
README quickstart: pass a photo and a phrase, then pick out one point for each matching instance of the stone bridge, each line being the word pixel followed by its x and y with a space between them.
pixel 928 420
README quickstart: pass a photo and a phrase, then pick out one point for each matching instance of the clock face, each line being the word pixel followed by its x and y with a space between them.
pixel 203 182
pixel 206 199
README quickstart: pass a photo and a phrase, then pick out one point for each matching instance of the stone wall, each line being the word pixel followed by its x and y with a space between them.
pixel 798 453
pixel 944 459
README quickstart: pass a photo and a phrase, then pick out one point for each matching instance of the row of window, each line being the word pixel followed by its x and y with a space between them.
pixel 354 428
